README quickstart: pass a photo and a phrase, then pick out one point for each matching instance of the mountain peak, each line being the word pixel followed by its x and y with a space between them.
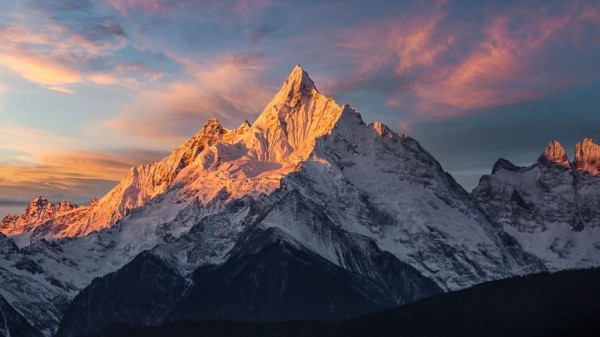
pixel 298 75
pixel 587 156
pixel 297 85
pixel 555 154
pixel 295 118
pixel 211 132
pixel 38 202
pixel 212 123
pixel 503 164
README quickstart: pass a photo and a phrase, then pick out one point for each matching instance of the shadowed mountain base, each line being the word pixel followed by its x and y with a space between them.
pixel 561 304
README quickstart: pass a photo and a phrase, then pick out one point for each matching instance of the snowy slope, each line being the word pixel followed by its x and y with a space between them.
pixel 215 165
pixel 386 187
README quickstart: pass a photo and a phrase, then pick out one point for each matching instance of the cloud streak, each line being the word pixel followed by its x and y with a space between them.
pixel 47 72
pixel 42 161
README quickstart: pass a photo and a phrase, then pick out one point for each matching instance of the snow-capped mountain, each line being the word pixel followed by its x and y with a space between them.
pixel 218 163
pixel 551 207
pixel 228 218
pixel 39 211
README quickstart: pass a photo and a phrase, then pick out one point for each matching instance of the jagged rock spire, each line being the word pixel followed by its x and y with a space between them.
pixel 295 87
pixel 294 119
pixel 298 80
pixel 555 154
pixel 587 157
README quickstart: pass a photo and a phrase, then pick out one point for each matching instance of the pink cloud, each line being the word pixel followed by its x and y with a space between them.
pixel 407 41
pixel 508 66
pixel 444 74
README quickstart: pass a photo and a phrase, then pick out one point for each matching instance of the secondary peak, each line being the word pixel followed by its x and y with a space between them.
pixel 555 153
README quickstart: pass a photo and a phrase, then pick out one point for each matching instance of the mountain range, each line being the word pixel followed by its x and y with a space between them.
pixel 307 213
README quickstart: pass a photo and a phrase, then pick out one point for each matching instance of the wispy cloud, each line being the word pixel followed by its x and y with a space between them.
pixel 39 67
pixel 27 182
pixel 64 41
pixel 102 78
pixel 227 88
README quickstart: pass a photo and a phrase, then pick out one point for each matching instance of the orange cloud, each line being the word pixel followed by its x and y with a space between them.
pixel 95 165
pixel 47 72
pixel 43 162
pixel 102 78
pixel 27 182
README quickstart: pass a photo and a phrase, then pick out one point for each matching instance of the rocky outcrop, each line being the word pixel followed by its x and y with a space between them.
pixel 39 211
pixel 555 153
pixel 587 157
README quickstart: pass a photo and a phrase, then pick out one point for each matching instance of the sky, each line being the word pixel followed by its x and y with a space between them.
pixel 91 88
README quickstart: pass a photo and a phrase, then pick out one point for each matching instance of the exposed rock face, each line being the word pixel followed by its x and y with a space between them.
pixel 39 211
pixel 555 153
pixel 587 157
pixel 294 119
